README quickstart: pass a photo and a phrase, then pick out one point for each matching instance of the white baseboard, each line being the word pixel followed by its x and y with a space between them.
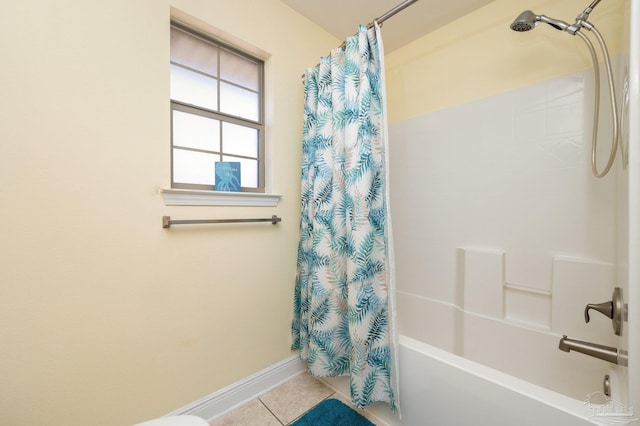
pixel 244 390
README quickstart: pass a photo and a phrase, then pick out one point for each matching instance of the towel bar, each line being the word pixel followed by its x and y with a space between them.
pixel 167 221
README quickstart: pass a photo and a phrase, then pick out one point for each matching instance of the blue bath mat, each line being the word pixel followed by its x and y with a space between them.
pixel 332 412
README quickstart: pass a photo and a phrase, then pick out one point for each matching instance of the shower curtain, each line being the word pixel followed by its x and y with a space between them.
pixel 343 305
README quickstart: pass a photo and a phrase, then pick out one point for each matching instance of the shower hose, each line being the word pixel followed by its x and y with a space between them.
pixel 596 108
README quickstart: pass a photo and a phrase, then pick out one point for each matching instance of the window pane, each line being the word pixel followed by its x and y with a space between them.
pixel 240 140
pixel 194 131
pixel 248 171
pixel 193 88
pixel 239 102
pixel 239 70
pixel 194 52
pixel 194 167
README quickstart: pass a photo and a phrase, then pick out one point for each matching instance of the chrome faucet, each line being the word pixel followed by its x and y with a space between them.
pixel 606 353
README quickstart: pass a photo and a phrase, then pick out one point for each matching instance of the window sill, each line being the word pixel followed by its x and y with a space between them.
pixel 190 197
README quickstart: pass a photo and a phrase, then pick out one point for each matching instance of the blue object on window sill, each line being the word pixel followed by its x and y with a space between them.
pixel 227 176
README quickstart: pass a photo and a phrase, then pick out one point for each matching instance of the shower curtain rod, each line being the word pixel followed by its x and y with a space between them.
pixel 388 14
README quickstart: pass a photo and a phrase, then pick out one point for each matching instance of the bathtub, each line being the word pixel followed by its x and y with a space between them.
pixel 440 388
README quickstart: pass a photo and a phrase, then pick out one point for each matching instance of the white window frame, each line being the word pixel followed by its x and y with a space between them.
pixel 259 125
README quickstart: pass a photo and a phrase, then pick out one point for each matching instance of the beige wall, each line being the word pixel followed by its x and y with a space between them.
pixel 105 317
pixel 479 56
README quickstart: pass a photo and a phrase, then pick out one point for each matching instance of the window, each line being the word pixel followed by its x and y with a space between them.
pixel 216 112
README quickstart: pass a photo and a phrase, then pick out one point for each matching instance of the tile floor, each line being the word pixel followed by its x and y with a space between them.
pixel 284 404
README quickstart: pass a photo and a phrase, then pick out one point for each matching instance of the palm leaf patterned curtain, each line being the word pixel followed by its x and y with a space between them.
pixel 344 284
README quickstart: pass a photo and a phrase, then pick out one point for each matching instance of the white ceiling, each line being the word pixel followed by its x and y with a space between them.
pixel 341 17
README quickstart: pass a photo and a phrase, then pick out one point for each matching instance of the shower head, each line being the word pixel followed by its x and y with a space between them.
pixel 527 20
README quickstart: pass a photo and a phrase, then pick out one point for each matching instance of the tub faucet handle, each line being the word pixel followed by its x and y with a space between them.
pixel 605 308
pixel 614 309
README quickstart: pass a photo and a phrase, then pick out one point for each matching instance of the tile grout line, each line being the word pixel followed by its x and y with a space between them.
pixel 284 421
pixel 269 410
pixel 310 408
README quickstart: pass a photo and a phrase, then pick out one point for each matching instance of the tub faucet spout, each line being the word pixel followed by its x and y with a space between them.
pixel 606 353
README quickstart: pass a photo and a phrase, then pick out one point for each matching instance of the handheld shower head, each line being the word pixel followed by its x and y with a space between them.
pixel 525 21
pixel 528 20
